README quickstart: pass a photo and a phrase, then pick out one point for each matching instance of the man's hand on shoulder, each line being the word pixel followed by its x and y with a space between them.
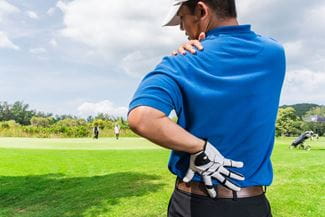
pixel 190 46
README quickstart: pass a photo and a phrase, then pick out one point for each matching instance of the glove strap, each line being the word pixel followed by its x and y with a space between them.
pixel 201 159
pixel 205 144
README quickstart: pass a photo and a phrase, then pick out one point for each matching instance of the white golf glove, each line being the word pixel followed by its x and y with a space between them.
pixel 209 163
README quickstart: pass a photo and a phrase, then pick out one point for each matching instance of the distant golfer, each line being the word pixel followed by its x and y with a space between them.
pixel 226 98
pixel 96 131
pixel 117 131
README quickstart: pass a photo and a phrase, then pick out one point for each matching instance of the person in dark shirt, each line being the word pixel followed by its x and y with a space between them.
pixel 96 131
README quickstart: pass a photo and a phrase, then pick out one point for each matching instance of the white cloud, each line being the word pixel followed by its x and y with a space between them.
pixel 293 48
pixel 136 64
pixel 61 5
pixel 107 24
pixel 32 14
pixel 6 43
pixel 38 50
pixel 106 107
pixel 314 20
pixel 304 86
pixel 120 32
pixel 51 11
pixel 6 9
pixel 53 42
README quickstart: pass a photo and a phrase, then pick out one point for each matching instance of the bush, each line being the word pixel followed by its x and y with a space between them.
pixel 316 127
pixel 69 122
pixel 4 125
pixel 9 124
pixel 41 121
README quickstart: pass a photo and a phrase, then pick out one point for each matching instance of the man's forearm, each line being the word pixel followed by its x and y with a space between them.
pixel 155 126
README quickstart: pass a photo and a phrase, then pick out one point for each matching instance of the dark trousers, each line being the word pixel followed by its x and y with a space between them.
pixel 183 204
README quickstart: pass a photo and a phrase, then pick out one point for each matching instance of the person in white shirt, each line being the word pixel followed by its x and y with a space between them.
pixel 117 130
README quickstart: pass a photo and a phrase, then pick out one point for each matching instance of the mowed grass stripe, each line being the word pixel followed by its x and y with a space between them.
pixel 78 144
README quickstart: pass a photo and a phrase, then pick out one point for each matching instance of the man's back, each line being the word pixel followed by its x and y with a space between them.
pixel 228 94
pixel 226 98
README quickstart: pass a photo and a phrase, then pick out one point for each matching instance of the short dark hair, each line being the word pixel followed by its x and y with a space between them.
pixel 223 8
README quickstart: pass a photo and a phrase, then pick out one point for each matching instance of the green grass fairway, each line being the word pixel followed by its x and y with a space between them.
pixel 78 144
pixel 129 178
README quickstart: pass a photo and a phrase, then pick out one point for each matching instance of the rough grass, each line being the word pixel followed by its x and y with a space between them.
pixel 129 178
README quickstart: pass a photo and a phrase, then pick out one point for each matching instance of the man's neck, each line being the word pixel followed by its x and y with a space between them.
pixel 223 22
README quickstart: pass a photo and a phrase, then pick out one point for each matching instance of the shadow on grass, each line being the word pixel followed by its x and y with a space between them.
pixel 56 195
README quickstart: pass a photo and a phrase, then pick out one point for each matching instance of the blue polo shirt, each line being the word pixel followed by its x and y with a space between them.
pixel 228 94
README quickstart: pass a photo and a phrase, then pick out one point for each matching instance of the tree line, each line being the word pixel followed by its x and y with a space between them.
pixel 292 123
pixel 18 120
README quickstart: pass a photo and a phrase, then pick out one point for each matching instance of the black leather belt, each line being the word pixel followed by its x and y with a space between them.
pixel 222 192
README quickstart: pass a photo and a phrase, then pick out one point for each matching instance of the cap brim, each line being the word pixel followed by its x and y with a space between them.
pixel 172 19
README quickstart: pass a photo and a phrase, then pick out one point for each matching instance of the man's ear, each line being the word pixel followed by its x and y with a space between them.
pixel 202 10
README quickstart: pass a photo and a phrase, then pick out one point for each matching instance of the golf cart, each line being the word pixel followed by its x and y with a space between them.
pixel 299 142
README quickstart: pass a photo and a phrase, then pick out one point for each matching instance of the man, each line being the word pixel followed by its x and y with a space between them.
pixel 96 131
pixel 226 98
pixel 117 131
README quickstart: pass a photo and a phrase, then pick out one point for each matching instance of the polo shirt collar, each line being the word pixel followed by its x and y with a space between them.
pixel 229 30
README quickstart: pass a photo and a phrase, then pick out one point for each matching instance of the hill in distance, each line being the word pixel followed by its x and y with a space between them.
pixel 301 108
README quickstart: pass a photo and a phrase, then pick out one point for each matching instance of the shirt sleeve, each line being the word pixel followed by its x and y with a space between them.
pixel 159 90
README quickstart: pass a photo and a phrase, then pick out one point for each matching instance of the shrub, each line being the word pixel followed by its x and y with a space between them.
pixel 9 124
pixel 41 121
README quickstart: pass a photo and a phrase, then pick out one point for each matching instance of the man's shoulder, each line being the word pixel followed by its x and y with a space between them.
pixel 238 44
pixel 271 42
pixel 180 64
pixel 169 69
pixel 174 65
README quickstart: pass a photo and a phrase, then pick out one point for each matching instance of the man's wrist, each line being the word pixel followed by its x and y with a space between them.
pixel 199 147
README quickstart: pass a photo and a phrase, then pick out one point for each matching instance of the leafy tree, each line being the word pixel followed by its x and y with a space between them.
pixel 5 113
pixel 320 111
pixel 288 123
pixel 316 127
pixel 43 114
pixel 21 113
pixel 107 117
pixel 58 118
pixel 90 119
pixel 100 123
pixel 18 112
pixel 124 124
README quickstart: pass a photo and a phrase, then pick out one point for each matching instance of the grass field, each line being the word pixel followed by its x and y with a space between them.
pixel 129 178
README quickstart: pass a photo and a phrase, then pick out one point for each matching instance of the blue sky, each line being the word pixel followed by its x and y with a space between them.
pixel 88 56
